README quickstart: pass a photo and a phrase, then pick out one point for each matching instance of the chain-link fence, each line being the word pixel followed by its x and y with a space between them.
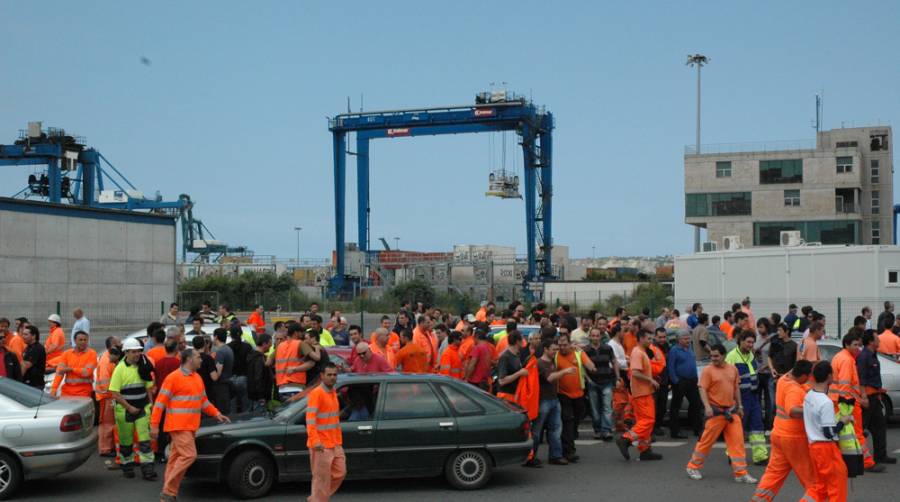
pixel 103 316
pixel 839 312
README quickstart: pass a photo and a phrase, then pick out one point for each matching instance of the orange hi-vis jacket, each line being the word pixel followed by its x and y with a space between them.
pixel 104 374
pixel 182 398
pixel 789 394
pixel 57 338
pixel 846 379
pixel 451 364
pixel 15 344
pixel 428 342
pixel 287 357
pixel 79 381
pixel 658 363
pixel 323 418
pixel 528 389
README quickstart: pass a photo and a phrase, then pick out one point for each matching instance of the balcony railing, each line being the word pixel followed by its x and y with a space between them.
pixel 845 207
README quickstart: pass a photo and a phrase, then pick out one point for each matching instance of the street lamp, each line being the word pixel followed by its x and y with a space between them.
pixel 396 244
pixel 698 60
pixel 593 252
pixel 298 229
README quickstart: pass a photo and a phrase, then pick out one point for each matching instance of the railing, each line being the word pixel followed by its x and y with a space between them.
pixel 746 147
pixel 846 207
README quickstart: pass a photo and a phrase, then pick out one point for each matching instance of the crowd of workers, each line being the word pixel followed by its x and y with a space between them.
pixel 617 370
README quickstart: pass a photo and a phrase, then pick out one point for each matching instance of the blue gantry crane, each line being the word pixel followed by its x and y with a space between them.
pixel 492 112
pixel 73 173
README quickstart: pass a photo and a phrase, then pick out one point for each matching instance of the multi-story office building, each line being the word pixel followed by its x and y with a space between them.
pixel 836 190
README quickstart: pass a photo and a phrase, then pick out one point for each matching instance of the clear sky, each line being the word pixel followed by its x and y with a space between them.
pixel 232 107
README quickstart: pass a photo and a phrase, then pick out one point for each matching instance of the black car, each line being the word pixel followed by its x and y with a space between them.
pixel 393 425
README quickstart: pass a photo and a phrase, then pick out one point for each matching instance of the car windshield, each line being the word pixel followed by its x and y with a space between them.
pixel 23 394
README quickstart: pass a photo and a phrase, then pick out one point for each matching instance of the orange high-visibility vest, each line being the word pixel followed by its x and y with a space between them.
pixel 428 342
pixel 15 344
pixel 79 381
pixel 528 389
pixel 846 379
pixel 182 398
pixel 323 418
pixel 658 363
pixel 104 374
pixel 58 338
pixel 287 357
pixel 451 364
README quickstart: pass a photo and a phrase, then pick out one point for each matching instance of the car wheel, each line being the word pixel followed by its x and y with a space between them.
pixel 10 475
pixel 251 474
pixel 468 469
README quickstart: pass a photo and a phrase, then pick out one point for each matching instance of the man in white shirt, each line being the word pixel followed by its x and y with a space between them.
pixel 81 324
pixel 822 431
pixel 621 397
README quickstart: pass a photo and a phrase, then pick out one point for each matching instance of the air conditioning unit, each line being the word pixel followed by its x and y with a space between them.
pixel 731 242
pixel 791 238
pixel 709 246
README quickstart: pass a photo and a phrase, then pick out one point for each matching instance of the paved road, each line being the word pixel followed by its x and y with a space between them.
pixel 601 474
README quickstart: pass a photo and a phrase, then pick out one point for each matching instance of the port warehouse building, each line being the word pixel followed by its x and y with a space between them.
pixel 117 265
pixel 838 281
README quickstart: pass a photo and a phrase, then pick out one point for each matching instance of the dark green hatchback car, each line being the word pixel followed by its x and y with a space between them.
pixel 393 425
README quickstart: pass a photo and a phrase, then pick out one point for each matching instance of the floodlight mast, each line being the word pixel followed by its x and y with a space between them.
pixel 698 60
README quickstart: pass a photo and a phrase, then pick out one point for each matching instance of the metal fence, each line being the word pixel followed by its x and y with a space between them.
pixel 839 312
pixel 112 316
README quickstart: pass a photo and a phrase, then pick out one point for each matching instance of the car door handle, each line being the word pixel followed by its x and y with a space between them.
pixel 445 424
pixel 364 429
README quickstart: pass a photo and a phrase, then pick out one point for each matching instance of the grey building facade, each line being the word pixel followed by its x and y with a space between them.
pixel 836 190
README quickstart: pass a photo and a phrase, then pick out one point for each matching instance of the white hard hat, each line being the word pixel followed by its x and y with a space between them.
pixel 55 318
pixel 131 344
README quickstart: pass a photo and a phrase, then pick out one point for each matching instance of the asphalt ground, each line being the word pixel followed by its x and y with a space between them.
pixel 602 474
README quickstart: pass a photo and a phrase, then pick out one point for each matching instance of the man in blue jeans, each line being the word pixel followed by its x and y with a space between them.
pixel 600 384
pixel 549 409
pixel 682 368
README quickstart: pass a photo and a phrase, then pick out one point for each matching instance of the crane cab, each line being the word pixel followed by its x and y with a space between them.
pixel 503 184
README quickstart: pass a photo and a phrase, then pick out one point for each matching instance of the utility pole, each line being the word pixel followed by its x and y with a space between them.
pixel 298 229
pixel 698 60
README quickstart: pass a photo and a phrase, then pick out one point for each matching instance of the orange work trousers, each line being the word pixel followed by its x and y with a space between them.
pixel 644 420
pixel 734 442
pixel 787 453
pixel 622 408
pixel 106 439
pixel 868 459
pixel 509 397
pixel 329 467
pixel 184 452
pixel 831 472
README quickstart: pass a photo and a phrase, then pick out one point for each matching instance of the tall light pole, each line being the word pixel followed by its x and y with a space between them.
pixel 396 244
pixel 298 229
pixel 698 60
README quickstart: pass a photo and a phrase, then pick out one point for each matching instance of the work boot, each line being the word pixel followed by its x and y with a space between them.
pixel 148 472
pixel 694 474
pixel 558 461
pixel 623 445
pixel 534 462
pixel 650 455
pixel 746 478
pixel 876 468
pixel 128 471
pixel 573 459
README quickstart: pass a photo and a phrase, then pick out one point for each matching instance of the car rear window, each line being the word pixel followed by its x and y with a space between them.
pixel 460 402
pixel 411 400
pixel 23 394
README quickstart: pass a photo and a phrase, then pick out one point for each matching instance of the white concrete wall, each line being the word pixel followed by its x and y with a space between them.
pixel 100 265
pixel 585 294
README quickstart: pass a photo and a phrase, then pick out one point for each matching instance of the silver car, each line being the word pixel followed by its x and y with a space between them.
pixel 43 436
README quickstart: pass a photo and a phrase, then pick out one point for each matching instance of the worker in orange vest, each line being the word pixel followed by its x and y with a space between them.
pixel 256 319
pixel 451 364
pixel 845 391
pixel 382 346
pixel 11 340
pixel 106 441
pixel 56 341
pixel 642 387
pixel 721 396
pixel 182 398
pixel 290 363
pixel 323 438
pixel 424 337
pixel 790 450
pixel 411 358
pixel 77 366
pixel 822 430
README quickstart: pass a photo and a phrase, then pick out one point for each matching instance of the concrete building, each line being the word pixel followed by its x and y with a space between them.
pixel 835 280
pixel 119 266
pixel 838 190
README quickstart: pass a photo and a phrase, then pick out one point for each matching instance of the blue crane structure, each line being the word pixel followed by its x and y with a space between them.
pixel 73 173
pixel 491 112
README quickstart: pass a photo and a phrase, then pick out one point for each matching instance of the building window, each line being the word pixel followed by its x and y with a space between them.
pixel 826 232
pixel 723 169
pixel 792 198
pixel 876 233
pixel 781 171
pixel 876 201
pixel 717 204
pixel 846 144
pixel 875 170
pixel 893 278
pixel 845 164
